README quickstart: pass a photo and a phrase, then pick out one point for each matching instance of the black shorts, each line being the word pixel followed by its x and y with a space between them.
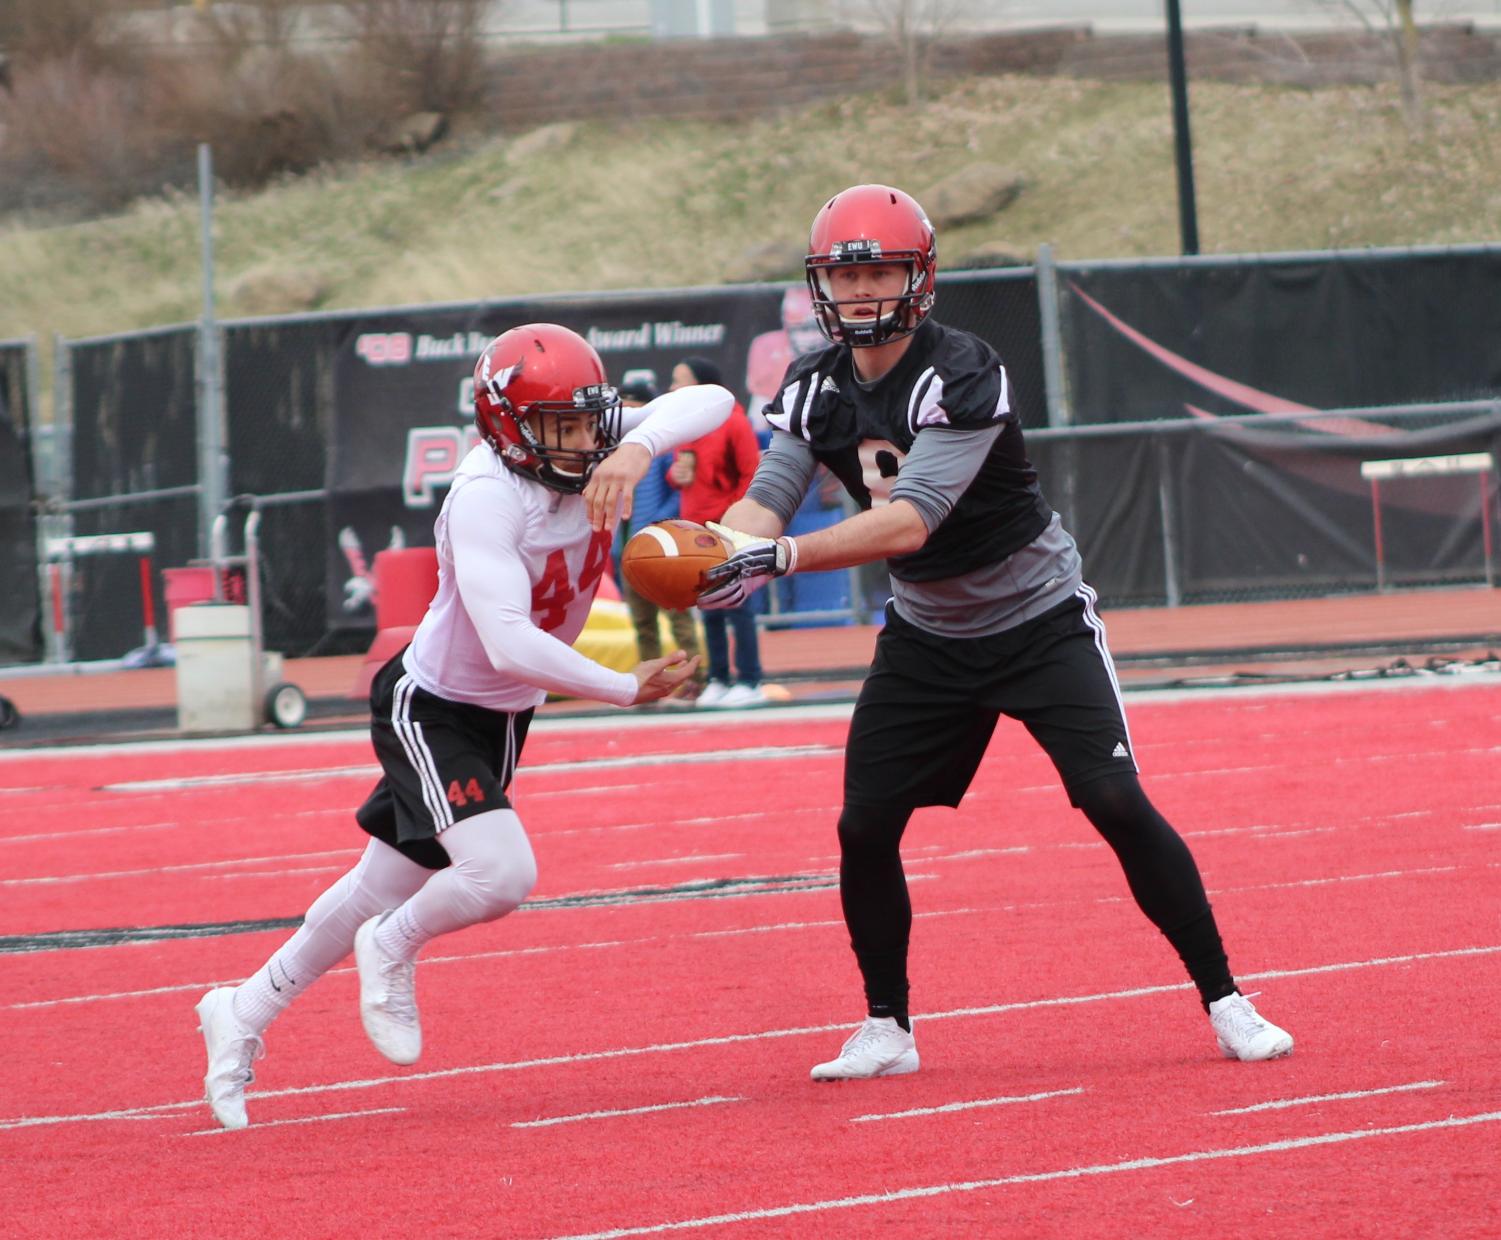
pixel 930 704
pixel 443 761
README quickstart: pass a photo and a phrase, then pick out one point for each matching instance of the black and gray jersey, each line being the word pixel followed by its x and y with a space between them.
pixel 949 385
pixel 940 431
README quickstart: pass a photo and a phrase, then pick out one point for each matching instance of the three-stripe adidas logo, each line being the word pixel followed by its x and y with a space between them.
pixel 1120 750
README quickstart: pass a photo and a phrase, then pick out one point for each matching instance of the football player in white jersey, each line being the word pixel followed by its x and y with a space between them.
pixel 522 542
pixel 990 612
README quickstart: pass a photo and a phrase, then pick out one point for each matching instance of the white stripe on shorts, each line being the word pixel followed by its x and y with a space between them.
pixel 418 754
pixel 1092 618
pixel 508 763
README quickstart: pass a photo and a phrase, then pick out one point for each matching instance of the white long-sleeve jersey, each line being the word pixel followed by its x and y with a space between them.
pixel 518 567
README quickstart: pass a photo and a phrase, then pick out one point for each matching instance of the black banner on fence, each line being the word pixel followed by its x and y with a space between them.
pixel 278 391
pixel 1002 310
pixel 1235 338
pixel 1257 508
pixel 134 403
pixel 1287 511
pixel 403 403
pixel 20 621
pixel 374 410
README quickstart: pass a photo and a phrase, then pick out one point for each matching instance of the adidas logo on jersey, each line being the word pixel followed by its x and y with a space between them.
pixel 1119 751
pixel 828 385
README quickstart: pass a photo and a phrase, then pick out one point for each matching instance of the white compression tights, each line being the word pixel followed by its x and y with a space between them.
pixel 493 871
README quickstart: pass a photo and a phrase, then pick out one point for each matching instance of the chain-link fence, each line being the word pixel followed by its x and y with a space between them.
pixel 1276 506
pixel 131 410
pixel 281 373
pixel 20 621
pixel 1183 414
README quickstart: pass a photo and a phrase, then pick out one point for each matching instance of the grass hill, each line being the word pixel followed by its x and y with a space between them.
pixel 666 204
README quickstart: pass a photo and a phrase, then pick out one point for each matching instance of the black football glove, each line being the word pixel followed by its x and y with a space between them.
pixel 753 563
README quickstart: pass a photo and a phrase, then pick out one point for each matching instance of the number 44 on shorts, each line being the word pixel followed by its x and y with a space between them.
pixel 469 792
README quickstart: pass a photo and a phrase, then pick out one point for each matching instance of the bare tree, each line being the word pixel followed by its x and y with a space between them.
pixel 250 24
pixel 1393 21
pixel 913 26
pixel 38 31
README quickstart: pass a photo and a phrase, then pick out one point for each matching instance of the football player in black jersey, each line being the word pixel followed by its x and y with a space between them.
pixel 990 614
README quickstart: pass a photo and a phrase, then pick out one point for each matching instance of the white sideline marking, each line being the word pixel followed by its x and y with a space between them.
pixel 590 790
pixel 651 861
pixel 467 957
pixel 968 1106
pixel 608 725
pixel 785 925
pixel 306 1119
pixel 762 929
pixel 282 873
pixel 1343 878
pixel 732 1039
pixel 661 1106
pixel 1372 759
pixel 754 753
pixel 699 820
pixel 748 754
pixel 1042 1177
pixel 178 869
pixel 1484 826
pixel 62 835
pixel 217 824
pixel 972 853
pixel 1310 1099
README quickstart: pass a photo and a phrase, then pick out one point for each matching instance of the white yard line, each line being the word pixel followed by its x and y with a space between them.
pixel 732 1039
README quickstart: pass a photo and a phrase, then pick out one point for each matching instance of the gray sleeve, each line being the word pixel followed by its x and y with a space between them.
pixel 940 467
pixel 787 467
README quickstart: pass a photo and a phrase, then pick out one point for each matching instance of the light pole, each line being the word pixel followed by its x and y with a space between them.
pixel 1188 221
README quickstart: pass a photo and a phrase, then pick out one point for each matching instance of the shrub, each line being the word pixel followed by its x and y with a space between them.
pixel 102 108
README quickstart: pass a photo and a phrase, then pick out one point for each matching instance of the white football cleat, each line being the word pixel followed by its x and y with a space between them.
pixel 880 1047
pixel 1244 1033
pixel 711 695
pixel 232 1048
pixel 742 695
pixel 388 997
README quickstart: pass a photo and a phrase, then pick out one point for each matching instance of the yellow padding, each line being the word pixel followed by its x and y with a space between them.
pixel 609 637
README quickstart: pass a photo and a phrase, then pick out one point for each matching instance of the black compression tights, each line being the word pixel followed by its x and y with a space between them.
pixel 1159 869
pixel 1162 876
pixel 877 910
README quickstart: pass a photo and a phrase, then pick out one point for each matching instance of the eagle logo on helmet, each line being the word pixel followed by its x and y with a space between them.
pixel 496 384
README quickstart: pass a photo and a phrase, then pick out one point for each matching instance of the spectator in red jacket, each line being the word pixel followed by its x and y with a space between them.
pixel 712 473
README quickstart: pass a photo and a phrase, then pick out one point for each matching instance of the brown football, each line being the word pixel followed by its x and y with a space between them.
pixel 665 562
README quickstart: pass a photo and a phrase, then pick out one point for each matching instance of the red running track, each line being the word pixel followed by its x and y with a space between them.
pixel 628 1054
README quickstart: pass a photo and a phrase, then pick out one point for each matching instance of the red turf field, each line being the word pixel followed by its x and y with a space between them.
pixel 628 1054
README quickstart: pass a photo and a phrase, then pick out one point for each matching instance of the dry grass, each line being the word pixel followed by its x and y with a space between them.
pixel 670 204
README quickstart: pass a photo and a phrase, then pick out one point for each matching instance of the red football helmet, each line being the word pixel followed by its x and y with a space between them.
pixel 872 224
pixel 523 380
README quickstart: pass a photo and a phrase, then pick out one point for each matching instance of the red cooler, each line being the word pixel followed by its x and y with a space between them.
pixel 405 582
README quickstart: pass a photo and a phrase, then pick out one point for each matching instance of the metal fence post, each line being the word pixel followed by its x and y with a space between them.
pixel 1165 503
pixel 213 462
pixel 1052 337
pixel 42 481
pixel 58 523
